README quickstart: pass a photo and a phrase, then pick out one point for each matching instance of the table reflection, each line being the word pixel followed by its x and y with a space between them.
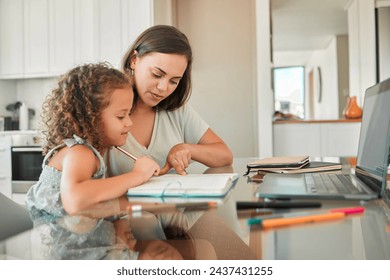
pixel 108 231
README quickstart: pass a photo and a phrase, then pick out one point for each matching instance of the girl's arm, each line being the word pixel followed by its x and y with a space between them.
pixel 79 191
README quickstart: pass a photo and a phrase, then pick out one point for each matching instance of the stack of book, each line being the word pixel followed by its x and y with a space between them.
pixel 291 165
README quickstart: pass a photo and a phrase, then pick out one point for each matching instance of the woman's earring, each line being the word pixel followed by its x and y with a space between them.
pixel 131 71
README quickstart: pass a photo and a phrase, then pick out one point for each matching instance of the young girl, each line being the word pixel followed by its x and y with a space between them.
pixel 85 116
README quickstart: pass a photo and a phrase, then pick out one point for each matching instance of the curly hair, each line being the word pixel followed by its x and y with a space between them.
pixel 74 107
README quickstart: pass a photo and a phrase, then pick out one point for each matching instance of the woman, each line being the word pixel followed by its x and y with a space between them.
pixel 172 133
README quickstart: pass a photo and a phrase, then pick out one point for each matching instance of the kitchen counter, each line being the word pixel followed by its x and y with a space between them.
pixel 324 138
pixel 17 132
pixel 317 121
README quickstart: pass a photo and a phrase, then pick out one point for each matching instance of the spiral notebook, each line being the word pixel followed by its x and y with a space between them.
pixel 191 185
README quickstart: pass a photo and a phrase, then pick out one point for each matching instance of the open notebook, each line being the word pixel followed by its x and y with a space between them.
pixel 191 185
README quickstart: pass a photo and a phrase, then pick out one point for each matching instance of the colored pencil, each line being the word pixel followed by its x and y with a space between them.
pixel 126 153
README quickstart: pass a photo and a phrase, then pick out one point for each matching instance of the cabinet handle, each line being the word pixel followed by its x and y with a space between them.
pixel 26 149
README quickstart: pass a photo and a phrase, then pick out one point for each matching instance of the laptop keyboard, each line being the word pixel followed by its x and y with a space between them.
pixel 329 183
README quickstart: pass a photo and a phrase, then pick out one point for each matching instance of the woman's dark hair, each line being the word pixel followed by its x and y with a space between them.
pixel 169 40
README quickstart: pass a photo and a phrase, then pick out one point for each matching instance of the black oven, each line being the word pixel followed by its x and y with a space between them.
pixel 26 167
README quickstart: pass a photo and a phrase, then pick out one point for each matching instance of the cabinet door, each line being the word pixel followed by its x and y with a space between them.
pixel 11 38
pixel 43 38
pixel 108 31
pixel 5 166
pixel 297 139
pixel 117 23
pixel 62 27
pixel 340 139
pixel 36 38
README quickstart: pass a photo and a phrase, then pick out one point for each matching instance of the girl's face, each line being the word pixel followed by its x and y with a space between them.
pixel 157 75
pixel 116 117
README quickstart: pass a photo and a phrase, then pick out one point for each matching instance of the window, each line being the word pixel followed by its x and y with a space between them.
pixel 289 90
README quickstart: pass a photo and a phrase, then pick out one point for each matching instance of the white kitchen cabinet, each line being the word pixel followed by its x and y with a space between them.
pixel 42 38
pixel 11 38
pixel 36 38
pixel 117 24
pixel 297 139
pixel 111 26
pixel 340 139
pixel 317 139
pixel 64 35
pixel 5 167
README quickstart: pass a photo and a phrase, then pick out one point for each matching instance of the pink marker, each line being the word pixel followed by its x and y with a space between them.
pixel 350 210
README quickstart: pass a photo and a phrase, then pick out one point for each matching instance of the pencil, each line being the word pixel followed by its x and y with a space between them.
pixel 301 220
pixel 288 204
pixel 162 207
pixel 127 153
pixel 346 211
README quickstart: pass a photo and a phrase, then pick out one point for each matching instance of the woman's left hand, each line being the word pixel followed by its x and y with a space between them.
pixel 179 157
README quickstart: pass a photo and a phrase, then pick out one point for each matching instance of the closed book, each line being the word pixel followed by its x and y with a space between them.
pixel 276 163
pixel 283 162
pixel 312 166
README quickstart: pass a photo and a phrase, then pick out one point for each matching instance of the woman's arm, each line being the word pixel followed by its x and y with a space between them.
pixel 211 151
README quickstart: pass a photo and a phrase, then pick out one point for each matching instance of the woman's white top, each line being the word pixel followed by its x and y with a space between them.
pixel 183 125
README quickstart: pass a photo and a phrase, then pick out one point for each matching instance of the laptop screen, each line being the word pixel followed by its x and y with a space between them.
pixel 374 143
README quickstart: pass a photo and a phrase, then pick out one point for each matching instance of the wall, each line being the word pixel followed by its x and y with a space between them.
pixel 342 71
pixel 7 95
pixel 384 42
pixel 326 59
pixel 264 96
pixel 291 58
pixel 164 12
pixel 34 92
pixel 221 33
pixel 362 47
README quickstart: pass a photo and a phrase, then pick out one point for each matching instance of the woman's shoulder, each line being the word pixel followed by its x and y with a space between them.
pixel 185 118
pixel 183 111
pixel 181 116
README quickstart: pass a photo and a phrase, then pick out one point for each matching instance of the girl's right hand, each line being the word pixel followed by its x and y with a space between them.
pixel 147 167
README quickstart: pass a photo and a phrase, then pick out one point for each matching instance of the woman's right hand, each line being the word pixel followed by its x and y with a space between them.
pixel 179 157
pixel 147 167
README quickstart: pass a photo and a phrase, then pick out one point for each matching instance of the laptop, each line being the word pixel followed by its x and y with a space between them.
pixel 369 179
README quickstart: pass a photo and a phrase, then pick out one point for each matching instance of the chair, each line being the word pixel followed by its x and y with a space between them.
pixel 14 218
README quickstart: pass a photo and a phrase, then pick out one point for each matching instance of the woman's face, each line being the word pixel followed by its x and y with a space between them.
pixel 157 75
